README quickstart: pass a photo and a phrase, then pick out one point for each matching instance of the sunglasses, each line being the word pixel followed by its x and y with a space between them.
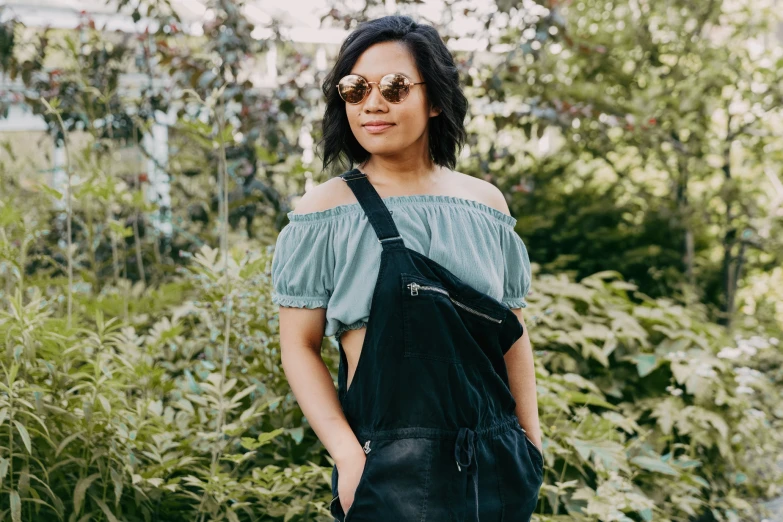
pixel 394 87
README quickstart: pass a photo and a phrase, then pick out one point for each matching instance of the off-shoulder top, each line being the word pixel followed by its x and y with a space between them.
pixel 330 258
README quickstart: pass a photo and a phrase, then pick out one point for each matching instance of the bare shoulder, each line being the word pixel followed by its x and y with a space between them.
pixel 483 191
pixel 328 194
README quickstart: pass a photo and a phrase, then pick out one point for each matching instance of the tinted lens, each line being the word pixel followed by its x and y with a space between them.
pixel 394 87
pixel 352 88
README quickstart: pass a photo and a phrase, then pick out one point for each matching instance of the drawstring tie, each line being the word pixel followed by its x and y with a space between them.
pixel 467 465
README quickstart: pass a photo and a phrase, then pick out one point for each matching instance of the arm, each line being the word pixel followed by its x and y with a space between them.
pixel 519 358
pixel 301 334
pixel 522 379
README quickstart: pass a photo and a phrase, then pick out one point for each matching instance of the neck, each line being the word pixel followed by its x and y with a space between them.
pixel 408 173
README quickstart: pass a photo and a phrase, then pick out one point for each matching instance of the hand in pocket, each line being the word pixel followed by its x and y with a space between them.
pixel 348 481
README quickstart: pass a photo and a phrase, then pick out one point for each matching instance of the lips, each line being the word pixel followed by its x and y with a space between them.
pixel 377 127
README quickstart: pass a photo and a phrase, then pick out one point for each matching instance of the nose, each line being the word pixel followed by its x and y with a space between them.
pixel 374 100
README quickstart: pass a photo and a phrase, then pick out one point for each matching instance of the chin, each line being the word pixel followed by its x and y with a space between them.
pixel 380 151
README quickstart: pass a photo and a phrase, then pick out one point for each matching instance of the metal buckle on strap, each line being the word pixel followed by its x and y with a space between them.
pixel 389 239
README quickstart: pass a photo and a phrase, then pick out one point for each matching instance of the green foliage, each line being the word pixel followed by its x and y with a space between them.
pixel 639 401
pixel 122 418
pixel 158 393
pixel 639 138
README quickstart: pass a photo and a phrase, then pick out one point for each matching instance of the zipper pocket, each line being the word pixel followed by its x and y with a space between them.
pixel 415 287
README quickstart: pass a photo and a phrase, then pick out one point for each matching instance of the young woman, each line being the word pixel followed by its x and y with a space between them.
pixel 417 271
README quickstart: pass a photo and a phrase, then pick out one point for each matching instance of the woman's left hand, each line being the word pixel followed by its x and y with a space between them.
pixel 536 439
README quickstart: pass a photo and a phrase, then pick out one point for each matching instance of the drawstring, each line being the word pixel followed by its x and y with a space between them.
pixel 465 455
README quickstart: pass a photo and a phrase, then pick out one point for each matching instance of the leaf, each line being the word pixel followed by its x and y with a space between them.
pixel 116 477
pixel 3 469
pixel 580 381
pixel 56 194
pixel 583 398
pixel 198 400
pixel 653 464
pixel 106 511
pixel 120 230
pixel 25 436
pixel 249 443
pixel 80 490
pixel 247 414
pixel 58 504
pixel 16 506
pixel 268 436
pixel 687 463
pixel 611 454
pixel 666 412
pixel 297 434
pixel 244 393
pixel 23 483
pixel 67 440
pixel 645 363
pixel 105 403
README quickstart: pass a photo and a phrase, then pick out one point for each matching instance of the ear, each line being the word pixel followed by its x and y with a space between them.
pixel 434 111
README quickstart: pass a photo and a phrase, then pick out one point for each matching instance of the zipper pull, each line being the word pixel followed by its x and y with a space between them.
pixel 367 447
pixel 414 288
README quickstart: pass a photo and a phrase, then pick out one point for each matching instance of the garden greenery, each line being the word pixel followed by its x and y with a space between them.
pixel 141 377
pixel 649 412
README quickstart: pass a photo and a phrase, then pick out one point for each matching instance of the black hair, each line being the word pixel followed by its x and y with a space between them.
pixel 446 131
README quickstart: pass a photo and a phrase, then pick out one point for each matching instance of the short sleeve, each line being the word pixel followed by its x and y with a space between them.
pixel 517 273
pixel 303 266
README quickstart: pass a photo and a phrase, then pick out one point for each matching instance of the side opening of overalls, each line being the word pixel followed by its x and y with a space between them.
pixel 430 400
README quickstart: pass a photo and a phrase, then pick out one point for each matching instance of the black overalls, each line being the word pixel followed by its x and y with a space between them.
pixel 430 399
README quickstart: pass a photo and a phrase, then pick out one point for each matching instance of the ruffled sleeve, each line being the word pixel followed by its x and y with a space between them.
pixel 303 265
pixel 517 273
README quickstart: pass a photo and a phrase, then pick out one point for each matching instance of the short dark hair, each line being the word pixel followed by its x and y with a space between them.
pixel 446 131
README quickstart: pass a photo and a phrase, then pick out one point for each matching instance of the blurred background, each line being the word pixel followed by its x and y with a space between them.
pixel 149 153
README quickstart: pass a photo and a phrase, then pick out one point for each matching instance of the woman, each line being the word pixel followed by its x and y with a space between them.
pixel 421 270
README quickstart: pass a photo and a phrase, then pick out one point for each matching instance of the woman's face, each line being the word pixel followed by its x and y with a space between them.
pixel 409 118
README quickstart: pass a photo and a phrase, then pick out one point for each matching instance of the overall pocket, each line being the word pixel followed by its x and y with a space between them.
pixel 394 485
pixel 442 325
pixel 519 472
pixel 335 507
pixel 538 457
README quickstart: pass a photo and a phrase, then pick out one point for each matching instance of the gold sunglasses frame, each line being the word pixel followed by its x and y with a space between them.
pixel 409 84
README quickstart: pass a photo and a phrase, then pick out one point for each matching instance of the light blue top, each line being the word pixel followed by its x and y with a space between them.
pixel 330 258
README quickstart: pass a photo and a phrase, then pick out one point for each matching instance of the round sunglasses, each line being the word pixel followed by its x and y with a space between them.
pixel 394 87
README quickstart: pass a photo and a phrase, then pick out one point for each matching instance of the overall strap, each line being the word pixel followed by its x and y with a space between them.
pixel 377 213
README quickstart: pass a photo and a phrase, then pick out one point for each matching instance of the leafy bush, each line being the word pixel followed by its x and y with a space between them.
pixel 143 383
pixel 641 401
pixel 143 420
pixel 169 415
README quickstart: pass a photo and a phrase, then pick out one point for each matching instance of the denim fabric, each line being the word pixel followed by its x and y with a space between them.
pixel 430 399
pixel 324 259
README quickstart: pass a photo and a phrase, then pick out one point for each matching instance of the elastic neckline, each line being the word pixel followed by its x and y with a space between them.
pixel 395 201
